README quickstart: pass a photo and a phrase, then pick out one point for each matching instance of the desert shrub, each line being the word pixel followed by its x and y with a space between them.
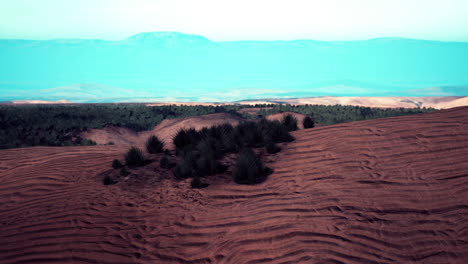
pixel 289 122
pixel 110 143
pixel 108 180
pixel 196 182
pixel 249 168
pixel 154 145
pixel 308 122
pixel 164 162
pixel 185 167
pixel 276 132
pixel 230 142
pixel 134 157
pixel 116 164
pixel 183 138
pixel 250 134
pixel 209 151
pixel 124 172
pixel 272 148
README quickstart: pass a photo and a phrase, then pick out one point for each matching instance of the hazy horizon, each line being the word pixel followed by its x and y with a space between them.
pixel 217 50
pixel 234 40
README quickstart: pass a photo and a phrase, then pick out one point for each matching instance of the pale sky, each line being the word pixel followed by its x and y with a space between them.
pixel 236 19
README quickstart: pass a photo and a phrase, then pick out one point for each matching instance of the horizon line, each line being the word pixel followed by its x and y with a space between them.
pixel 239 40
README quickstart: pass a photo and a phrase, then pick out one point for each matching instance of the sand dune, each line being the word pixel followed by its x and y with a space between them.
pixel 169 127
pixel 166 130
pixel 441 102
pixel 379 191
pixel 116 135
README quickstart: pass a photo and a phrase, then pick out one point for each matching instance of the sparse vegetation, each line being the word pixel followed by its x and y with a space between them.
pixel 116 164
pixel 107 180
pixel 164 162
pixel 185 167
pixel 124 172
pixel 154 145
pixel 134 157
pixel 196 182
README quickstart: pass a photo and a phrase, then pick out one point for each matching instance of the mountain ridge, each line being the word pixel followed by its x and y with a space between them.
pixel 177 65
pixel 172 34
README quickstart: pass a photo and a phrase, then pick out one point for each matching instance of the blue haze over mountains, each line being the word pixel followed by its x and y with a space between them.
pixel 170 66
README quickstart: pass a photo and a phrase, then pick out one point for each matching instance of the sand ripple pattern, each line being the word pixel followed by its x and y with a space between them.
pixel 392 190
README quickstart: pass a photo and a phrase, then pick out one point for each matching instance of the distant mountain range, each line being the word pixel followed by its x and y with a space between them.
pixel 168 66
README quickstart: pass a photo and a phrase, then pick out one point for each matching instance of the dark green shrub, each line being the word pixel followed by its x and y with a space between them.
pixel 134 157
pixel 154 145
pixel 124 172
pixel 209 153
pixel 108 180
pixel 276 132
pixel 184 138
pixel 308 122
pixel 249 168
pixel 196 182
pixel 272 148
pixel 185 167
pixel 250 134
pixel 164 162
pixel 289 122
pixel 230 142
pixel 116 164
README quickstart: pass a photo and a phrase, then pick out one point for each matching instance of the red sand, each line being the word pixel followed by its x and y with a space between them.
pixel 391 190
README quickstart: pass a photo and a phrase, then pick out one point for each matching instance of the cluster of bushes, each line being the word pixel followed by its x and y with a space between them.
pixel 135 158
pixel 200 151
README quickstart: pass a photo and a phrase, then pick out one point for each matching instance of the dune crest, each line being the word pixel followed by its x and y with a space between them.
pixel 166 130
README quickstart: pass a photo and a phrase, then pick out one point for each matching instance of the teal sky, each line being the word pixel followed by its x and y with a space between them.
pixel 220 20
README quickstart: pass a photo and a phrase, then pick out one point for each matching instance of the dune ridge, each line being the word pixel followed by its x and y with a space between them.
pixel 390 190
pixel 165 131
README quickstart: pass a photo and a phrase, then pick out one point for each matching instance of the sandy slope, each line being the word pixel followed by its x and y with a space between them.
pixel 392 190
pixel 441 102
pixel 166 130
